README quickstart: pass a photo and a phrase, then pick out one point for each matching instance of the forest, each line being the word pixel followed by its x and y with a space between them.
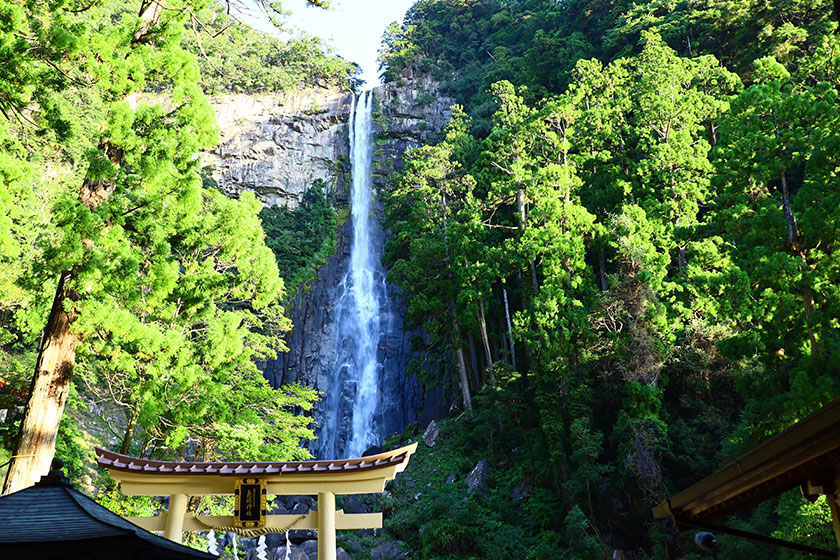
pixel 631 223
pixel 620 253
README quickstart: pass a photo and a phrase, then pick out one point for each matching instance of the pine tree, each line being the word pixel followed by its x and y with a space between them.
pixel 133 256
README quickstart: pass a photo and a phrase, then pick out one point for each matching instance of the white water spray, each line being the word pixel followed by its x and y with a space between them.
pixel 356 372
pixel 362 268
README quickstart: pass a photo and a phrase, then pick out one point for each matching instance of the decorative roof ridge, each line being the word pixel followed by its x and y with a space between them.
pixel 116 461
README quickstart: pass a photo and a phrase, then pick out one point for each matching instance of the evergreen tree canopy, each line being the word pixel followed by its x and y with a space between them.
pixel 165 290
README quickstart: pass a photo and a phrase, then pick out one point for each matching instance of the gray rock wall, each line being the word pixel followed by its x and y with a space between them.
pixel 277 146
pixel 409 116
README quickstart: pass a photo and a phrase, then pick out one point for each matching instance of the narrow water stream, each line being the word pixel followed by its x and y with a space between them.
pixel 348 425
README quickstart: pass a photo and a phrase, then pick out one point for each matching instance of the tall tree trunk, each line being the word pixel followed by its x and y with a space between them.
pixel 35 447
pixel 462 366
pixel 534 282
pixel 523 219
pixel 602 269
pixel 510 330
pixel 133 416
pixel 482 326
pixel 54 368
pixel 465 384
pixel 36 440
pixel 794 241
pixel 474 363
pixel 150 12
pixel 682 261
pixel 790 219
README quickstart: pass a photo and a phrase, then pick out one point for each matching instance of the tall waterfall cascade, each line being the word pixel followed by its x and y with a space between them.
pixel 349 340
pixel 363 315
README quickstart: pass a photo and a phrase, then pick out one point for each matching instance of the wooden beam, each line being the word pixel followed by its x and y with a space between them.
pixel 365 482
pixel 770 469
pixel 309 521
pixel 782 462
pixel 831 498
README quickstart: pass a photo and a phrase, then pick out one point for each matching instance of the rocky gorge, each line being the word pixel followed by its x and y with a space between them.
pixel 277 146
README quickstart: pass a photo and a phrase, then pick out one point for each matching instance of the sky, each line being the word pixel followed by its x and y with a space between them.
pixel 352 27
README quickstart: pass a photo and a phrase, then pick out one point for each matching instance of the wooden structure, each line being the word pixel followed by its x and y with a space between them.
pixel 806 455
pixel 51 520
pixel 326 479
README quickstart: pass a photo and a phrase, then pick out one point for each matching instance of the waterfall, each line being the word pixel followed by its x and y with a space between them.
pixel 349 423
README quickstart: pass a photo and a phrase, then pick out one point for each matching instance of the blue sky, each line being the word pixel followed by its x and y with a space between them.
pixel 352 27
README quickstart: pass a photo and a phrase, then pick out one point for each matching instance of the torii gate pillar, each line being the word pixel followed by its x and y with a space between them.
pixel 326 526
pixel 174 528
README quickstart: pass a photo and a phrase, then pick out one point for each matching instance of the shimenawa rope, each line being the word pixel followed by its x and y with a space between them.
pixel 249 533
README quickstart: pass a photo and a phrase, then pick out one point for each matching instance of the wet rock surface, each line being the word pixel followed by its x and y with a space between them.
pixel 477 479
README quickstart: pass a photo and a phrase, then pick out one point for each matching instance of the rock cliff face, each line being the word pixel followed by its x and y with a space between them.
pixel 277 146
pixel 277 150
pixel 409 116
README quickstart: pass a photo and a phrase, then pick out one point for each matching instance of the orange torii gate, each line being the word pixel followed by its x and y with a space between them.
pixel 250 482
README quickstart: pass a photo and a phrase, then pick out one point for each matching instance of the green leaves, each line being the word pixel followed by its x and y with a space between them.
pixel 176 293
pixel 233 57
pixel 777 205
pixel 662 240
pixel 301 239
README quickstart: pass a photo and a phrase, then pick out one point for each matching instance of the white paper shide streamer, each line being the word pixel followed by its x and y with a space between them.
pixel 212 546
pixel 261 549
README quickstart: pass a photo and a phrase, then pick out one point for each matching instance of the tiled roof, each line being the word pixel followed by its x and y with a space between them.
pixel 111 460
pixel 54 520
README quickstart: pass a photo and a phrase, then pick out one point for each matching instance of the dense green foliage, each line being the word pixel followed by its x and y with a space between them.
pixel 623 244
pixel 646 238
pixel 301 239
pixel 470 44
pixel 174 291
pixel 233 57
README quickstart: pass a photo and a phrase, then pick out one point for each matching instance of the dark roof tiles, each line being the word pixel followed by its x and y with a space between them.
pixel 55 521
